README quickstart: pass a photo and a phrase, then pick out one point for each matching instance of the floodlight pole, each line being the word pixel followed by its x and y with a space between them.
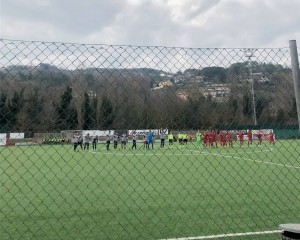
pixel 249 55
pixel 296 74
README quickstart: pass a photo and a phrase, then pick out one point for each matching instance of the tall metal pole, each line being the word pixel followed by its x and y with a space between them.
pixel 249 54
pixel 252 91
pixel 296 75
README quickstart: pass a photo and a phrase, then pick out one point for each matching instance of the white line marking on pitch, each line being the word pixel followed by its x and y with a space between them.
pixel 250 160
pixel 225 235
pixel 268 150
pixel 187 154
pixel 142 154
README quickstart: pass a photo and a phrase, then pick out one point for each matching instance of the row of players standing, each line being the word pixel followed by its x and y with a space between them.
pixel 84 142
pixel 148 139
pixel 210 138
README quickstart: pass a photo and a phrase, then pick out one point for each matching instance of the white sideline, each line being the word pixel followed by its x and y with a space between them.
pixel 250 160
pixel 142 154
pixel 225 235
pixel 189 154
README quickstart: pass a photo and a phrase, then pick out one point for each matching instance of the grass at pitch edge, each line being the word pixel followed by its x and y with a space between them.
pixel 52 192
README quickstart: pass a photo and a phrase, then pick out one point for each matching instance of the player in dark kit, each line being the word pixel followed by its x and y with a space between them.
pixel 133 140
pixel 80 142
pixel 108 139
pixel 87 139
pixel 116 139
pixel 75 141
pixel 95 141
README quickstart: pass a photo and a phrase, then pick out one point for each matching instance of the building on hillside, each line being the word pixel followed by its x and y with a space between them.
pixel 179 78
pixel 183 95
pixel 259 78
pixel 218 92
pixel 165 83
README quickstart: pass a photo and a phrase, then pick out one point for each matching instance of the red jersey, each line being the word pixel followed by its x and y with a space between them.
pixel 259 136
pixel 222 137
pixel 241 136
pixel 214 136
pixel 205 137
pixel 271 137
pixel 229 136
pixel 210 137
pixel 249 136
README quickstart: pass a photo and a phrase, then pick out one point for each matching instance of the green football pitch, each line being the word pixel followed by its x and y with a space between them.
pixel 52 192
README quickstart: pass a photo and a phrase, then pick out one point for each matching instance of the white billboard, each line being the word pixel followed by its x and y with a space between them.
pixel 16 135
pixel 98 133
pixel 2 139
pixel 145 131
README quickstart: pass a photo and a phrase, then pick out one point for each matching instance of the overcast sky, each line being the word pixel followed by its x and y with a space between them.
pixel 182 23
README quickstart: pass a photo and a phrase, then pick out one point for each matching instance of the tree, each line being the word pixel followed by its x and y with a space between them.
pixel 87 113
pixel 261 104
pixel 33 112
pixel 281 117
pixel 106 113
pixel 94 107
pixel 4 112
pixel 15 105
pixel 66 114
pixel 214 74
pixel 293 111
pixel 247 106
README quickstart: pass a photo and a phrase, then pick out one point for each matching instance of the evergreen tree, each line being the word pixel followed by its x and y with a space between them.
pixel 87 113
pixel 247 106
pixel 66 113
pixel 34 111
pixel 293 111
pixel 15 106
pixel 281 117
pixel 261 104
pixel 94 113
pixel 4 112
pixel 107 114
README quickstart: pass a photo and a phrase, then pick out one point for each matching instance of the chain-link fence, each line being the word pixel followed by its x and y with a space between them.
pixel 140 142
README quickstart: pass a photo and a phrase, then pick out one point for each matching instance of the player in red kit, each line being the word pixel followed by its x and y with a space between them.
pixel 211 139
pixel 271 137
pixel 222 138
pixel 214 136
pixel 205 138
pixel 259 137
pixel 250 138
pixel 241 137
pixel 229 137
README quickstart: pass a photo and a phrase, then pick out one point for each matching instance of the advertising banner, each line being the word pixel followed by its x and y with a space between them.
pixel 265 133
pixel 2 139
pixel 99 133
pixel 16 135
pixel 145 131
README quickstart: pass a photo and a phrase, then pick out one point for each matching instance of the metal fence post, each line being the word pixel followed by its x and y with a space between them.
pixel 296 74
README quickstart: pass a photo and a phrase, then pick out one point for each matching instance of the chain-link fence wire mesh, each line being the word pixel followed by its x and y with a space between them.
pixel 232 167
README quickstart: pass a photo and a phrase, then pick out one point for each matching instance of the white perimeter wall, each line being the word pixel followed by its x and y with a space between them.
pixel 2 139
pixel 16 135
